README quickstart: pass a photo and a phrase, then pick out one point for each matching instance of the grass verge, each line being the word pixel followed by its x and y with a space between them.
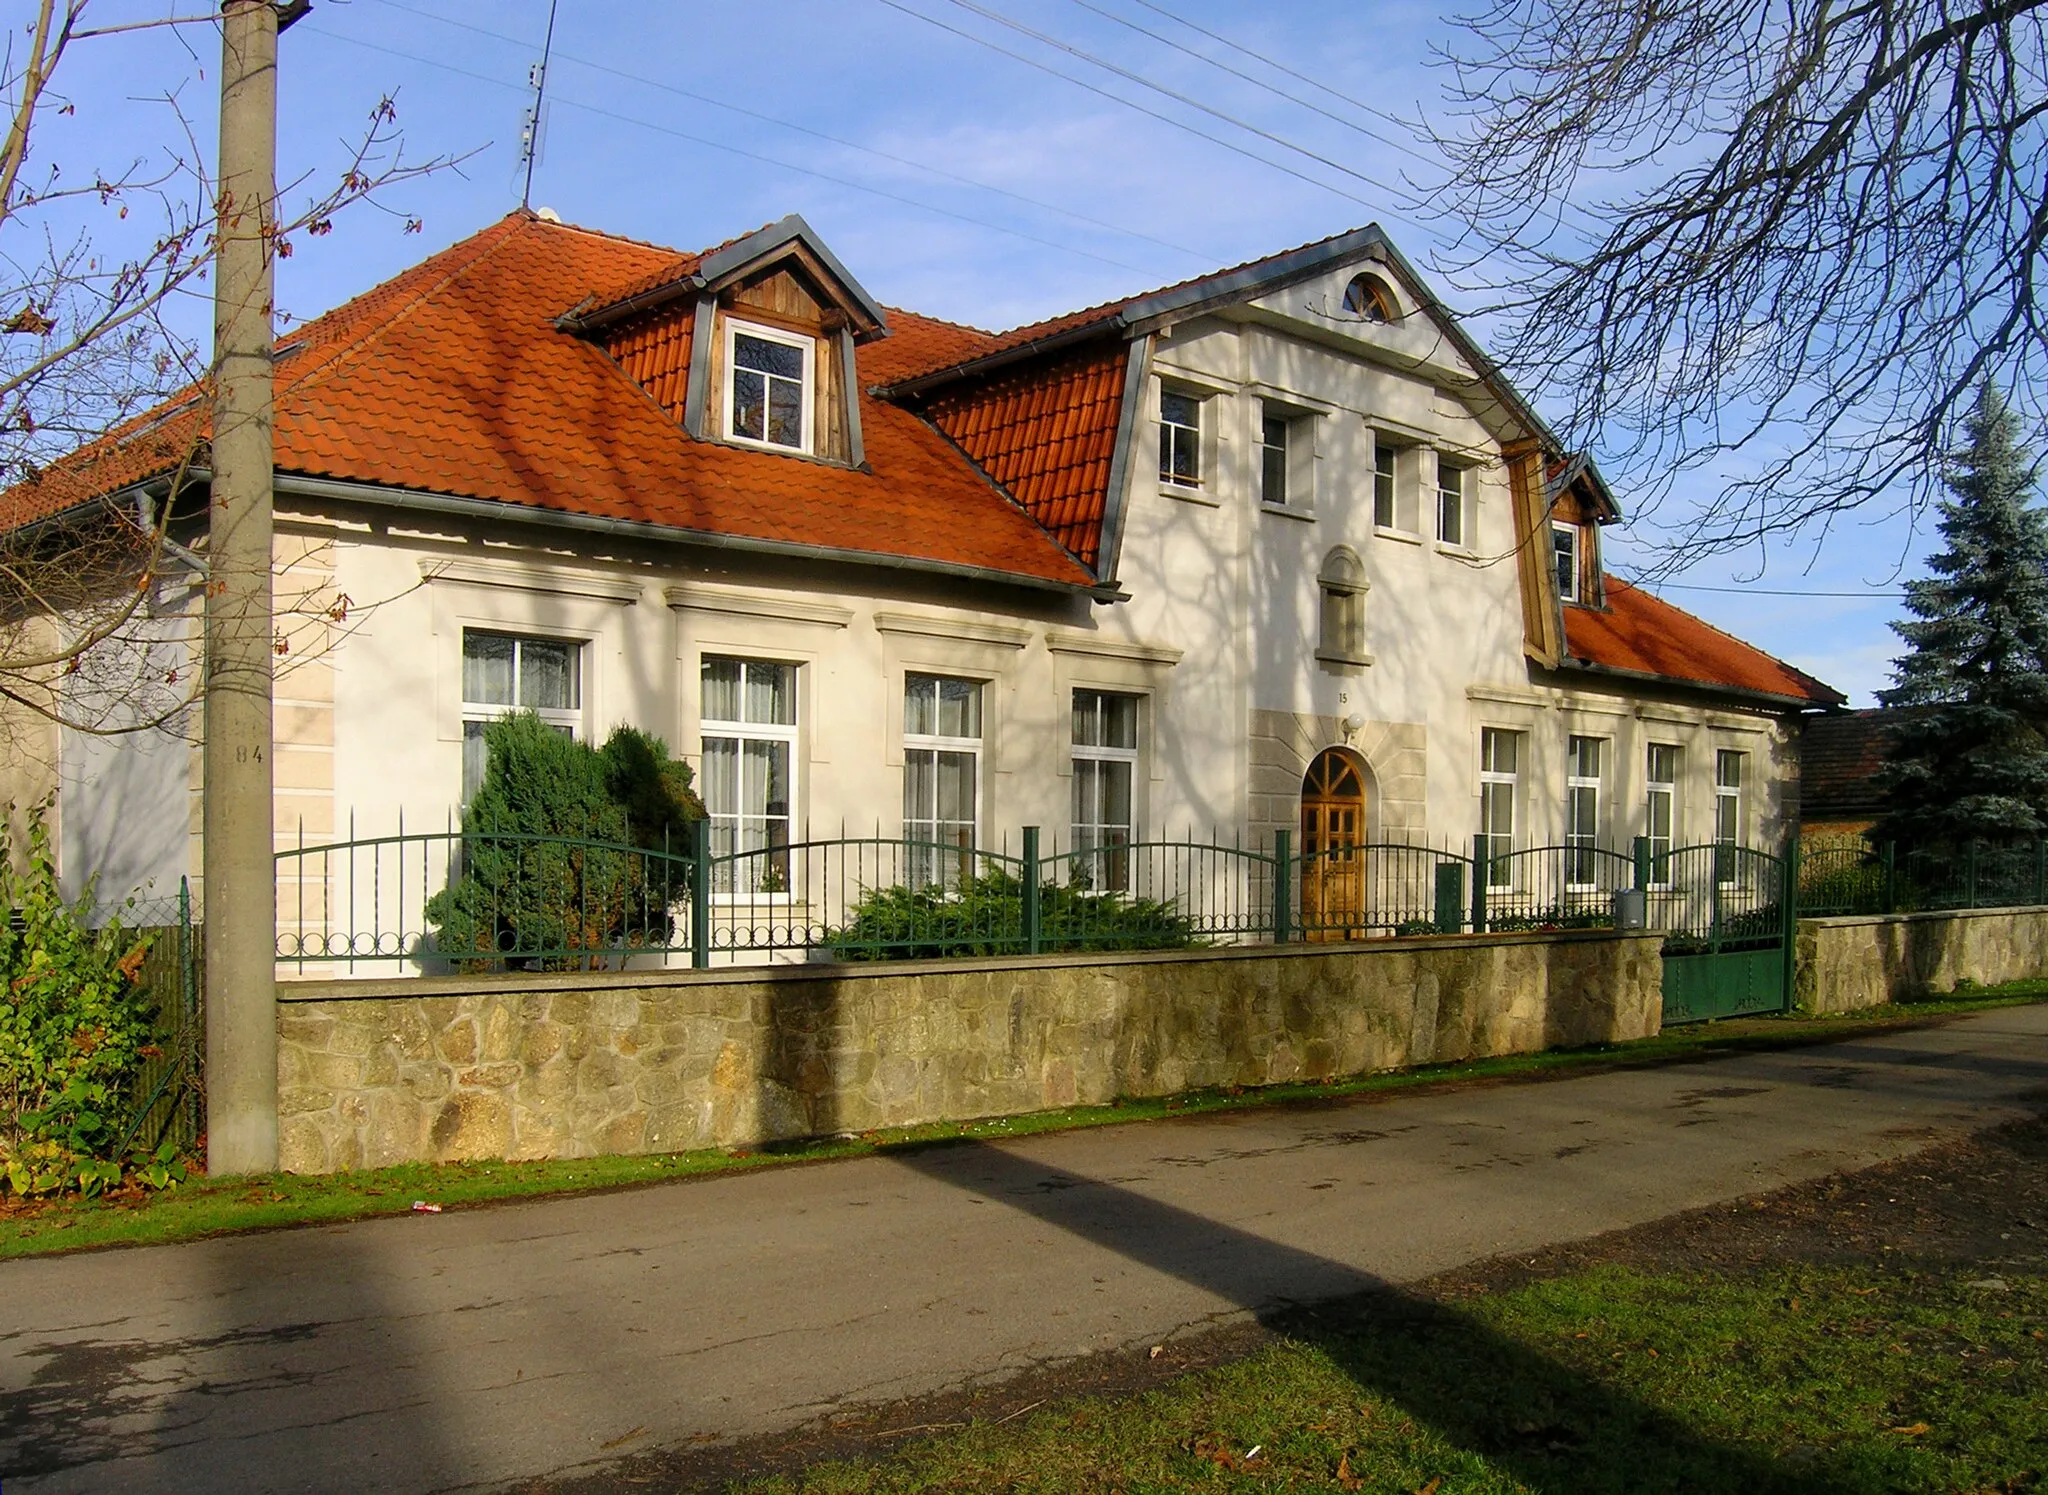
pixel 204 1207
pixel 1808 1378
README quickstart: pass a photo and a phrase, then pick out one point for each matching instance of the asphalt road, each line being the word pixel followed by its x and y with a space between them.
pixel 470 1349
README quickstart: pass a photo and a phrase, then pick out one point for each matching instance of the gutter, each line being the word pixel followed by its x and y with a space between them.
pixel 414 501
pixel 1778 704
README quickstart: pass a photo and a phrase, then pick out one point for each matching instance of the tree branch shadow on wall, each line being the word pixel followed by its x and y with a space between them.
pixel 1548 1425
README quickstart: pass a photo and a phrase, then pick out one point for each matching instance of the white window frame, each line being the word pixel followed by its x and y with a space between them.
pixel 742 732
pixel 1269 417
pixel 1583 835
pixel 1453 497
pixel 1568 558
pixel 1728 826
pixel 1094 753
pixel 1386 483
pixel 1168 480
pixel 1493 783
pixel 933 744
pixel 568 719
pixel 808 346
pixel 1662 792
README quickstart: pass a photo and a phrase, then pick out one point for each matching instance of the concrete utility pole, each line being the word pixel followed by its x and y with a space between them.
pixel 240 876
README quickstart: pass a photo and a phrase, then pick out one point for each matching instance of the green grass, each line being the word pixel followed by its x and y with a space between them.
pixel 1801 1379
pixel 203 1207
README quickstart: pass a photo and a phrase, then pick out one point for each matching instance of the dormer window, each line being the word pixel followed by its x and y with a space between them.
pixel 1564 544
pixel 1366 297
pixel 769 390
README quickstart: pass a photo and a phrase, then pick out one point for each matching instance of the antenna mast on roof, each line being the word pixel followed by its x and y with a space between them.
pixel 530 128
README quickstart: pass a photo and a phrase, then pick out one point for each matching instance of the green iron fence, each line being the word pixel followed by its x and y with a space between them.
pixel 461 900
pixel 1855 876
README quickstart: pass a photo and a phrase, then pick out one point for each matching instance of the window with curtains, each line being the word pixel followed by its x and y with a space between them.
pixel 1728 773
pixel 1660 818
pixel 941 778
pixel 1105 751
pixel 748 717
pixel 1583 762
pixel 506 672
pixel 1499 785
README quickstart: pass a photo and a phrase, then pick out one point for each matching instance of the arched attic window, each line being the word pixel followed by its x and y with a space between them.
pixel 1367 296
pixel 1343 586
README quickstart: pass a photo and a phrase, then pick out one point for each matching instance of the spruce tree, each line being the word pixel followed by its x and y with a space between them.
pixel 1968 756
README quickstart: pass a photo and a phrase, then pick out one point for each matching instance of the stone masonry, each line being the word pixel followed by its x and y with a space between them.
pixel 1867 960
pixel 532 1066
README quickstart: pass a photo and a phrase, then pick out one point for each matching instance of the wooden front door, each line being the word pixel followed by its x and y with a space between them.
pixel 1332 831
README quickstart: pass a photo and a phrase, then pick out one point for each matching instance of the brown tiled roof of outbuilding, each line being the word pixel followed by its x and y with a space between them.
pixel 1839 756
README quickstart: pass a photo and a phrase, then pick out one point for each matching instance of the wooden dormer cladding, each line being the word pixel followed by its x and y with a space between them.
pixel 1576 507
pixel 782 298
pixel 1535 566
pixel 1046 431
pixel 669 333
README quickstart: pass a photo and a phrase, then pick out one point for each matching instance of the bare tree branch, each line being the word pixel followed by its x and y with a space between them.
pixel 1816 230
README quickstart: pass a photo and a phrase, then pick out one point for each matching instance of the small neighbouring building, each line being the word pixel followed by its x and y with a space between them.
pixel 1272 549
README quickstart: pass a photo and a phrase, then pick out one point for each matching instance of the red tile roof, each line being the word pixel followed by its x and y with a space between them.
pixel 1645 635
pixel 1046 430
pixel 453 379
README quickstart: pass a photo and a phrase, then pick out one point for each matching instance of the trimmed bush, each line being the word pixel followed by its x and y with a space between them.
pixel 74 1026
pixel 985 916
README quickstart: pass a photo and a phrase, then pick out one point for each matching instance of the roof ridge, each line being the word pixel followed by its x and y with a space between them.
pixel 925 316
pixel 1617 581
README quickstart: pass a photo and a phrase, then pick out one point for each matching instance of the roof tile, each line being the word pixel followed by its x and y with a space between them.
pixel 1646 635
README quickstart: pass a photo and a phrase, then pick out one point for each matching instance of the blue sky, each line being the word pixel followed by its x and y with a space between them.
pixel 949 177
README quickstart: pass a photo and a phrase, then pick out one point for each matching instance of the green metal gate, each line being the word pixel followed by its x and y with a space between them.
pixel 1728 915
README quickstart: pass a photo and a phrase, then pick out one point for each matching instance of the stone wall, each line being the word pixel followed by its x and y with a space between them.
pixel 1866 960
pixel 380 1072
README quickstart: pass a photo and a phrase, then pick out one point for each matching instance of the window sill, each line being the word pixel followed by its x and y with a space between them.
pixel 1381 532
pixel 1458 552
pixel 1284 512
pixel 1344 663
pixel 1190 495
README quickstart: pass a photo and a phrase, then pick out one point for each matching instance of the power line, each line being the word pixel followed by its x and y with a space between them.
pixel 1253 79
pixel 1178 124
pixel 988 13
pixel 1406 148
pixel 815 134
pixel 720 145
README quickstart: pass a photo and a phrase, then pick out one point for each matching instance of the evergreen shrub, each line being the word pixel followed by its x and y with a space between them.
pixel 560 864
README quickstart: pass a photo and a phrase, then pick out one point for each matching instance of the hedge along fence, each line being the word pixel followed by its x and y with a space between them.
pixel 1849 875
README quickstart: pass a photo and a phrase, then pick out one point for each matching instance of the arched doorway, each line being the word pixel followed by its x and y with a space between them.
pixel 1332 831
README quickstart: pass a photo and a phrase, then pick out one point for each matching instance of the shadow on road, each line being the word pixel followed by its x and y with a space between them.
pixel 253 1395
pixel 1551 1427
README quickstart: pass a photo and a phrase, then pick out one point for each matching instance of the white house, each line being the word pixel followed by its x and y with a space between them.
pixel 1271 550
